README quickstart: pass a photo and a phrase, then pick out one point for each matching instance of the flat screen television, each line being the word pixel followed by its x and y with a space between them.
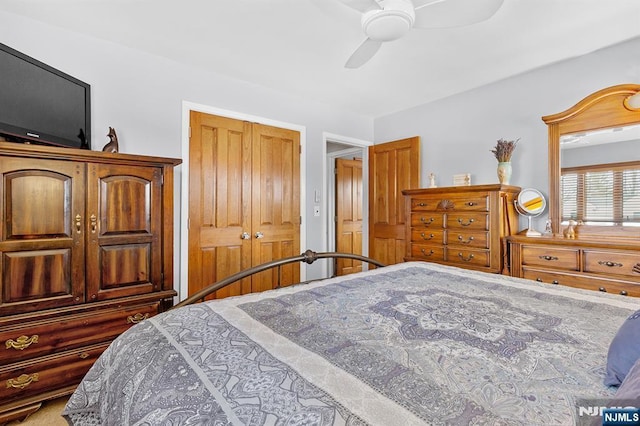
pixel 40 104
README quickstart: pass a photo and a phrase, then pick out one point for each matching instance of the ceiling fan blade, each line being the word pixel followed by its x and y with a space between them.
pixel 362 5
pixel 453 13
pixel 363 53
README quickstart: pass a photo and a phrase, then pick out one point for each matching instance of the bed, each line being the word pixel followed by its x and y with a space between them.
pixel 408 344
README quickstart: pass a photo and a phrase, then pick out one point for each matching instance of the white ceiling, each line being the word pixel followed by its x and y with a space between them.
pixel 301 46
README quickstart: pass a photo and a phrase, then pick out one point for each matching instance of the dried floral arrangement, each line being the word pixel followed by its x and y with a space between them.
pixel 504 149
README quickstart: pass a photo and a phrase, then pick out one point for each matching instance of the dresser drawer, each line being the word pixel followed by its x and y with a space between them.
pixel 465 257
pixel 430 236
pixel 425 203
pixel 613 262
pixel 62 333
pixel 551 257
pixel 427 252
pixel 48 373
pixel 427 220
pixel 583 281
pixel 463 220
pixel 472 202
pixel 467 238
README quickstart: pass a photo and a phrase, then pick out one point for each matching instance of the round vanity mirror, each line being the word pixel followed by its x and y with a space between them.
pixel 530 203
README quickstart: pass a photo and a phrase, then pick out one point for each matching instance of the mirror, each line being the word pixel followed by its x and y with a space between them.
pixel 610 123
pixel 530 203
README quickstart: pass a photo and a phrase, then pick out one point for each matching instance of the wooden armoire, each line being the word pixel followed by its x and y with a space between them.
pixel 86 251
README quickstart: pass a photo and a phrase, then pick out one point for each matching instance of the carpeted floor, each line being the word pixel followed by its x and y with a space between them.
pixel 48 414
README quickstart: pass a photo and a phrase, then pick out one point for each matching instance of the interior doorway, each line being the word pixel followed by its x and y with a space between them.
pixel 344 148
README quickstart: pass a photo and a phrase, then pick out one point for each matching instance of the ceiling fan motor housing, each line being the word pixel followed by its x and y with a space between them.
pixel 390 23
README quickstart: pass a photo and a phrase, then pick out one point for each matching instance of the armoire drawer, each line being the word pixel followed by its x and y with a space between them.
pixel 551 257
pixel 68 332
pixel 21 380
pixel 613 262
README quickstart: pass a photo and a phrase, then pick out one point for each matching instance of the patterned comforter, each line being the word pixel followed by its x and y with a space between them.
pixel 409 344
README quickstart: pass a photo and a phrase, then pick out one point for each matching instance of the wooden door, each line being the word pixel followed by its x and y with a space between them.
pixel 124 230
pixel 244 183
pixel 275 206
pixel 393 166
pixel 42 234
pixel 348 213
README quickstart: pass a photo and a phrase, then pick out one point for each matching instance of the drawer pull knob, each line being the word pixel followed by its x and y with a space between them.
pixel 549 258
pixel 22 381
pixel 555 282
pixel 424 252
pixel 624 292
pixel 471 204
pixel 602 289
pixel 421 204
pixel 463 223
pixel 539 280
pixel 465 241
pixel 22 342
pixel 424 236
pixel 609 263
pixel 135 319
pixel 466 259
pixel 427 221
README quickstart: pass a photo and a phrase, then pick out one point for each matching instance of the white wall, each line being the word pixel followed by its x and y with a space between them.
pixel 141 96
pixel 457 133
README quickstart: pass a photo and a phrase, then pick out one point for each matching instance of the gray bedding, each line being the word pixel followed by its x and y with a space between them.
pixel 408 344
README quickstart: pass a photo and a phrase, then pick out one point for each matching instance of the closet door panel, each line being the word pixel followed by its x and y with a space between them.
pixel 219 201
pixel 276 199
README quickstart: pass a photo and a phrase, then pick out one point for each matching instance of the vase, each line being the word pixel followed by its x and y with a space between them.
pixel 504 172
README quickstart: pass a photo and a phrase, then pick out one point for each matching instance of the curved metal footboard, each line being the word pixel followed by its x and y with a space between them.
pixel 308 256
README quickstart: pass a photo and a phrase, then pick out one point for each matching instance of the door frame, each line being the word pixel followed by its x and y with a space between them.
pixel 357 147
pixel 183 210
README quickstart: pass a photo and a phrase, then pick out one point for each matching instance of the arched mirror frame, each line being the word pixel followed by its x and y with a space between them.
pixel 602 109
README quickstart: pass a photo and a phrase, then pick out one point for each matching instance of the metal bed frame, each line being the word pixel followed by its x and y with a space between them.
pixel 308 257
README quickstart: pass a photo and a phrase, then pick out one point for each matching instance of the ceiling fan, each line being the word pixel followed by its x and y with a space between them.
pixel 387 20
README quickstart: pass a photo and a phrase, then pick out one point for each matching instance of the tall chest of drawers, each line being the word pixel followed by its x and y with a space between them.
pixel 461 226
pixel 601 265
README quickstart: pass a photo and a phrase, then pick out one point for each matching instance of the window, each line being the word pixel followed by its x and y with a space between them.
pixel 602 194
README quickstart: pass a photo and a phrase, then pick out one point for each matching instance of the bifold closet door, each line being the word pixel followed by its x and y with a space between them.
pixel 244 189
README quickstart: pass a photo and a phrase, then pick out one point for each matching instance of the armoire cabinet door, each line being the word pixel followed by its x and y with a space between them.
pixel 42 234
pixel 124 225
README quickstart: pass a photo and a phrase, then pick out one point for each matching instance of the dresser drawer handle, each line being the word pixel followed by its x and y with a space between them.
pixel 424 252
pixel 470 204
pixel 602 289
pixel 467 259
pixel 465 241
pixel 555 282
pixel 460 221
pixel 547 257
pixel 539 279
pixel 609 263
pixel 135 319
pixel 427 222
pixel 22 381
pixel 421 204
pixel 22 342
pixel 424 236
pixel 624 293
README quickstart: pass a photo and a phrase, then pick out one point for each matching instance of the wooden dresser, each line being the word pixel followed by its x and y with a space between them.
pixel 86 250
pixel 461 226
pixel 602 265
